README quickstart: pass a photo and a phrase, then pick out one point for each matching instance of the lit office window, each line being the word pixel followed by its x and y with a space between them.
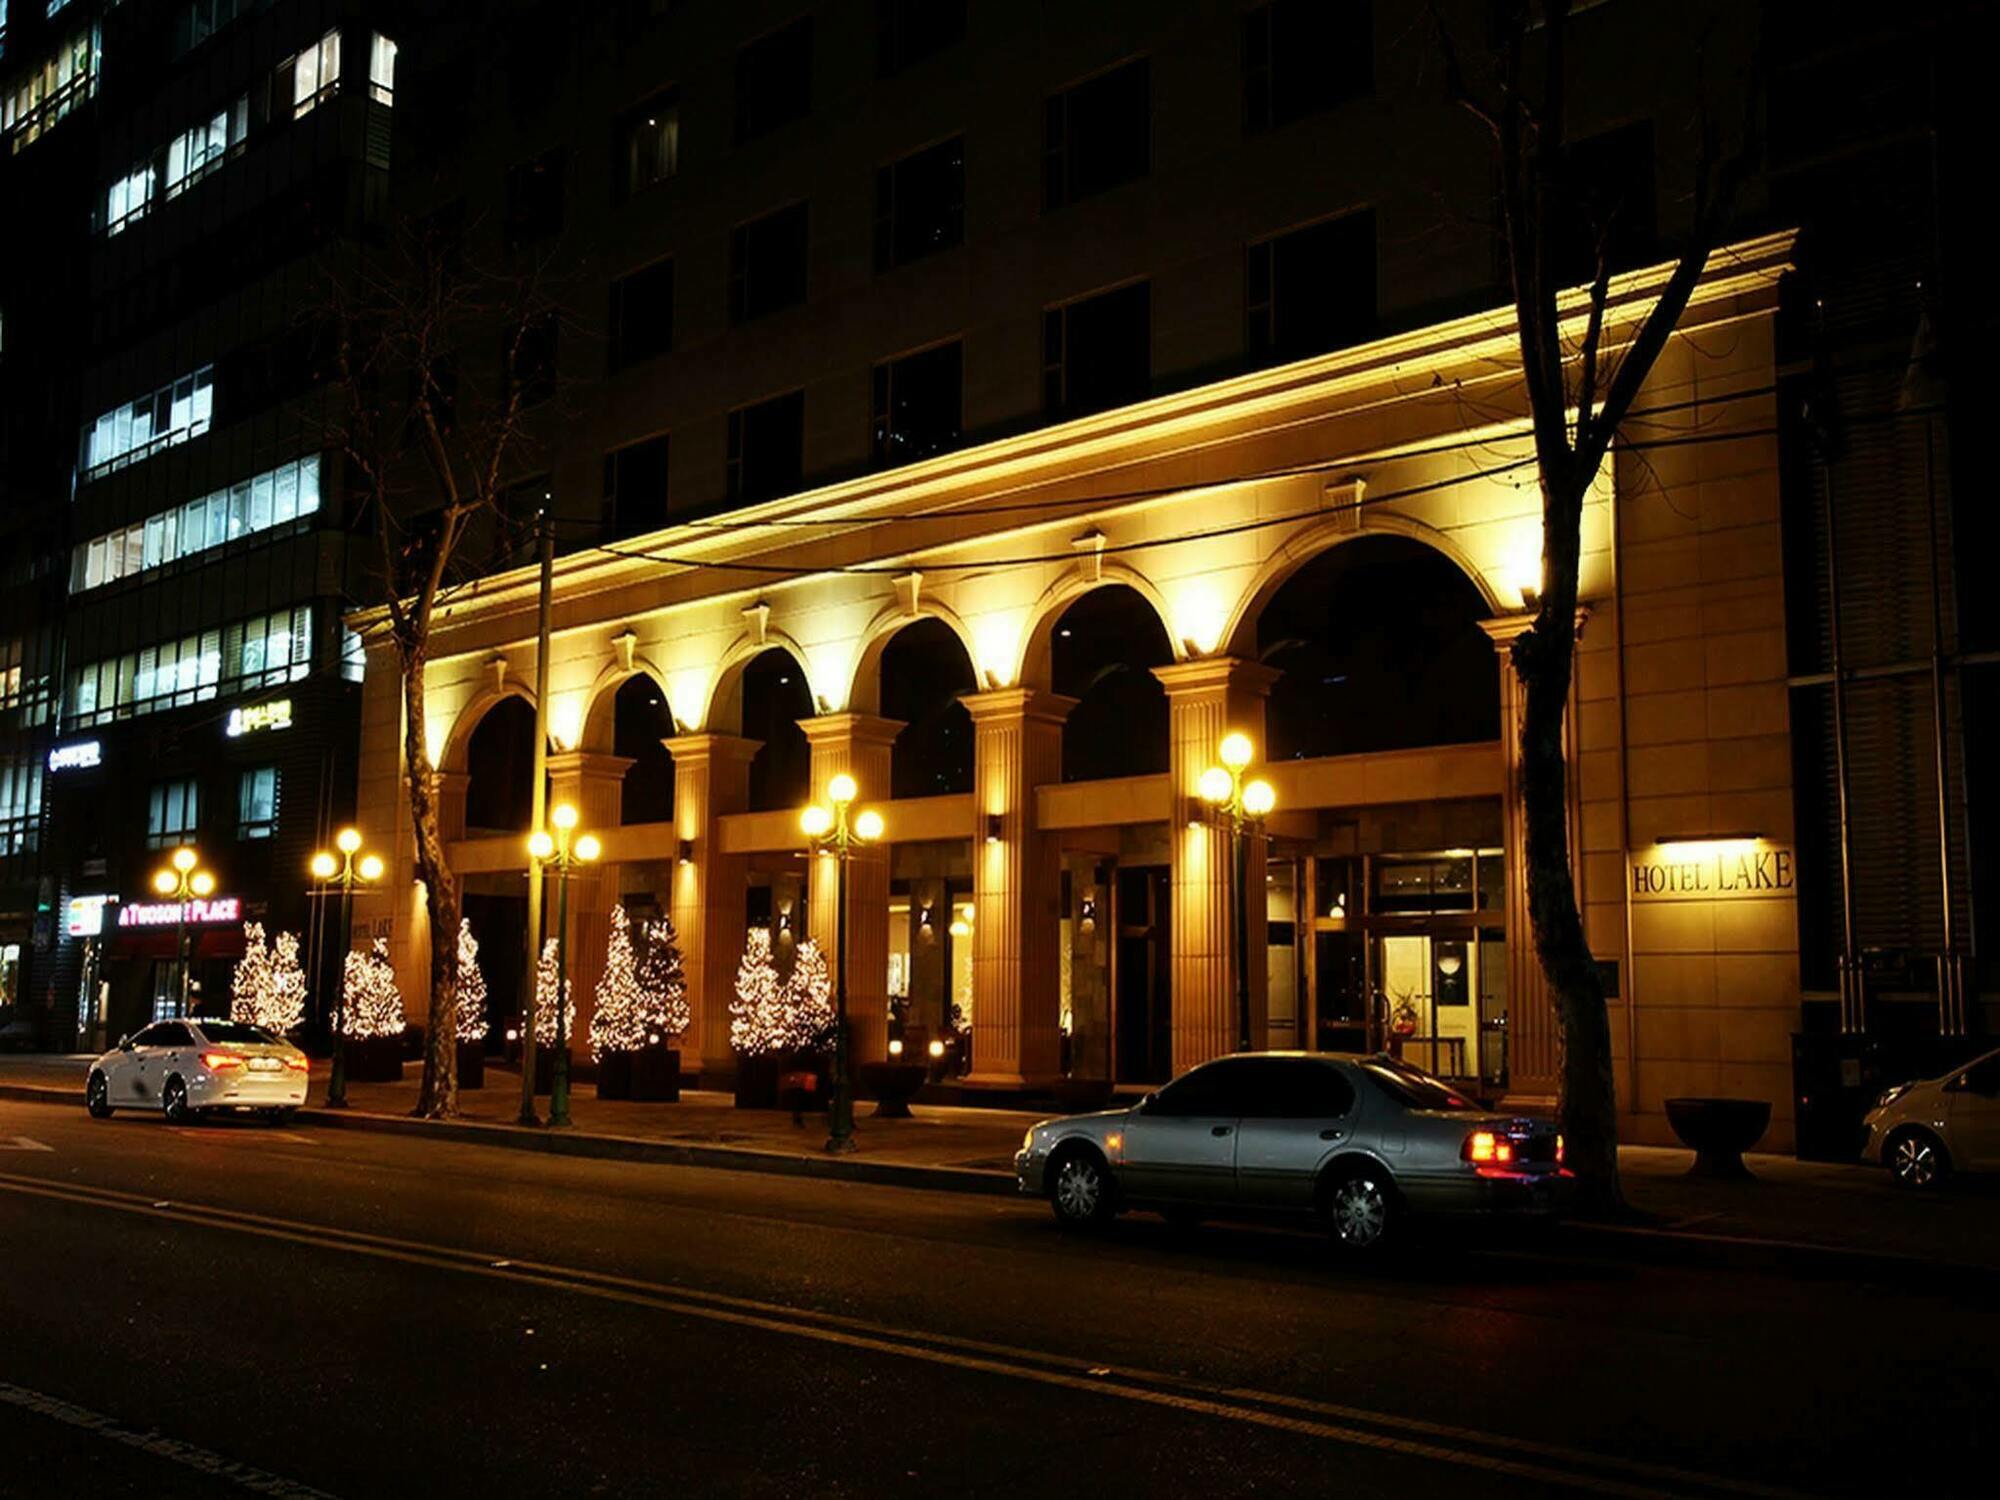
pixel 353 656
pixel 172 414
pixel 381 69
pixel 20 804
pixel 193 154
pixel 312 76
pixel 271 499
pixel 35 100
pixel 130 197
pixel 257 803
pixel 264 651
pixel 173 814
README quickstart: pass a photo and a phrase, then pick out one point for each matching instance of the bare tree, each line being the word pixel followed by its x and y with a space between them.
pixel 1580 389
pixel 428 452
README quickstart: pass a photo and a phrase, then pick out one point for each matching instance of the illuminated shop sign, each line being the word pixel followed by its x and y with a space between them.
pixel 76 757
pixel 84 916
pixel 216 909
pixel 1719 868
pixel 277 714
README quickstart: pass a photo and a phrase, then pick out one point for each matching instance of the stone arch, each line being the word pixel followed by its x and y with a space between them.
pixel 864 690
pixel 1108 644
pixel 722 713
pixel 1305 545
pixel 599 715
pixel 478 707
pixel 1034 665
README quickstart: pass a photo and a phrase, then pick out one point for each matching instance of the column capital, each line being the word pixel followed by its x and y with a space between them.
pixel 705 747
pixel 1017 703
pixel 1212 673
pixel 1504 630
pixel 585 764
pixel 850 728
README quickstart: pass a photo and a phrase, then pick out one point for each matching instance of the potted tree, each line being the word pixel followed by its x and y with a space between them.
pixel 656 1068
pixel 548 979
pixel 471 1019
pixel 759 1026
pixel 810 1022
pixel 618 1025
pixel 371 1016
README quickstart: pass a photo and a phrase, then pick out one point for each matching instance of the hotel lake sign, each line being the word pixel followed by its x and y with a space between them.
pixel 1722 870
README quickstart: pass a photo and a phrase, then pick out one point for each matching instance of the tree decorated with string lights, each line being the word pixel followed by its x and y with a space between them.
pixel 549 981
pixel 759 1019
pixel 471 1023
pixel 371 1005
pixel 663 980
pixel 250 983
pixel 286 988
pixel 809 999
pixel 621 1022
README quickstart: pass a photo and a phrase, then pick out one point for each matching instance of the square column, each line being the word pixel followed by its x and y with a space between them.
pixel 1534 1038
pixel 858 744
pixel 1016 889
pixel 711 779
pixel 591 783
pixel 1206 700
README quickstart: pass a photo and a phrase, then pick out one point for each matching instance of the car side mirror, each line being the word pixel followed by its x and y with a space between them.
pixel 1959 1084
pixel 1146 1101
pixel 125 1044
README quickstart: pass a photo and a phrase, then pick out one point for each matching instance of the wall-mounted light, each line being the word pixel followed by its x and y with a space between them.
pixel 1449 964
pixel 1087 912
pixel 936 1048
pixel 684 852
pixel 993 828
pixel 895 1046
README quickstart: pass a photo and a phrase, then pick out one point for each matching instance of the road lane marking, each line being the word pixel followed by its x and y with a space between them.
pixel 173 1450
pixel 1545 1463
pixel 22 1143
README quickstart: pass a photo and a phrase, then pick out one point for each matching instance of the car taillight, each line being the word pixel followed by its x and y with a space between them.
pixel 1487 1149
pixel 297 1064
pixel 1559 1150
pixel 221 1062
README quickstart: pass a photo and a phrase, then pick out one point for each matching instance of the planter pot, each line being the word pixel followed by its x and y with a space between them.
pixel 892 1085
pixel 1719 1131
pixel 471 1065
pixel 757 1081
pixel 656 1074
pixel 614 1075
pixel 374 1059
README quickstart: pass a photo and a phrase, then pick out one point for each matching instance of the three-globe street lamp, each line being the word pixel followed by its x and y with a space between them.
pixel 832 834
pixel 347 872
pixel 1238 805
pixel 180 882
pixel 565 849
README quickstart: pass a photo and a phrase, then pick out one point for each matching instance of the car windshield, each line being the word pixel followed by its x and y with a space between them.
pixel 1414 1089
pixel 235 1033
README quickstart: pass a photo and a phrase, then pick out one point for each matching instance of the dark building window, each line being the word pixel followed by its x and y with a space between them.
pixel 642 314
pixel 774 79
pixel 1098 134
pixel 635 489
pixel 1310 290
pixel 528 356
pixel 648 143
pixel 908 31
pixel 767 264
pixel 767 445
pixel 920 204
pixel 1304 56
pixel 1606 200
pixel 1097 353
pixel 172 813
pixel 917 405
pixel 535 199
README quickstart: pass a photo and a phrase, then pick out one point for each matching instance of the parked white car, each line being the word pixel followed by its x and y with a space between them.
pixel 1923 1132
pixel 183 1068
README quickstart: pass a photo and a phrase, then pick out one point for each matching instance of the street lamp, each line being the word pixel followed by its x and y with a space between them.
pixel 1238 805
pixel 832 834
pixel 565 849
pixel 347 872
pixel 180 881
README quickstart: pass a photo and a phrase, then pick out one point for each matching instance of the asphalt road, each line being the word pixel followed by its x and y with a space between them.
pixel 230 1310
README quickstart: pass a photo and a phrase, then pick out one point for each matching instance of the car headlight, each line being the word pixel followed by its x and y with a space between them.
pixel 1028 1139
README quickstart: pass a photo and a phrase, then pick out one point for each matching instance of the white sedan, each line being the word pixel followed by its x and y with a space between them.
pixel 183 1068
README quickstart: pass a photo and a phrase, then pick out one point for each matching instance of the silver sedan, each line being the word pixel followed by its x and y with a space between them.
pixel 1357 1142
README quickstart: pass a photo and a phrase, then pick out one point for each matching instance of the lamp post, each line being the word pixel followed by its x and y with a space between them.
pixel 347 872
pixel 565 849
pixel 832 834
pixel 180 881
pixel 1238 805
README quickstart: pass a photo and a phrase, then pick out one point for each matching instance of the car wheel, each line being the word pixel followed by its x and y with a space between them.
pixel 174 1101
pixel 1080 1190
pixel 1362 1210
pixel 97 1097
pixel 1917 1159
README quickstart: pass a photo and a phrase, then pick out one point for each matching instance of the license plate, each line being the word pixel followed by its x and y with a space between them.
pixel 265 1064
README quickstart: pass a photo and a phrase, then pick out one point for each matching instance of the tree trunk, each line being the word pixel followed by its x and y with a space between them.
pixel 1544 658
pixel 437 1098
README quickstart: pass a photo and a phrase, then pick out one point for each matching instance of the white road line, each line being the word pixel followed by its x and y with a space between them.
pixel 173 1450
pixel 1544 1463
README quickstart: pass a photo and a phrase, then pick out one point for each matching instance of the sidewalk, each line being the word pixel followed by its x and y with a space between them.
pixel 1847 1215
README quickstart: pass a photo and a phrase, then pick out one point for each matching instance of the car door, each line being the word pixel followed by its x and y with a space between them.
pixel 1180 1145
pixel 153 1054
pixel 122 1074
pixel 1975 1115
pixel 1298 1118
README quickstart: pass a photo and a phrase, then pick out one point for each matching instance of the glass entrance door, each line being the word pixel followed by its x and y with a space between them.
pixel 1427 987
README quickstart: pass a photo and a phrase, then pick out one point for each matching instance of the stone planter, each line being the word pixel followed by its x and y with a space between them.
pixel 1719 1131
pixel 757 1081
pixel 614 1075
pixel 374 1059
pixel 656 1074
pixel 471 1065
pixel 892 1085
